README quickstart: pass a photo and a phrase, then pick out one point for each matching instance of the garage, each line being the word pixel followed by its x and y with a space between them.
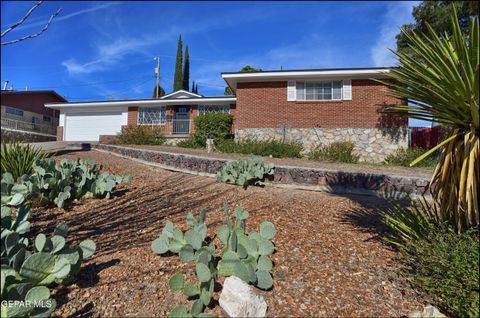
pixel 88 126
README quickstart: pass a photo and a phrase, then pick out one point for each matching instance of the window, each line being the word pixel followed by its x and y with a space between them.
pixel 47 119
pixel 14 111
pixel 319 90
pixel 203 109
pixel 151 115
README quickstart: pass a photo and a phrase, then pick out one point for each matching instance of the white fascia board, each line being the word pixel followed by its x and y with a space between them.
pixel 145 103
pixel 233 79
pixel 303 74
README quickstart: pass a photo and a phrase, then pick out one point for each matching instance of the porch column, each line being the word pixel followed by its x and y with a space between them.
pixel 193 115
pixel 132 119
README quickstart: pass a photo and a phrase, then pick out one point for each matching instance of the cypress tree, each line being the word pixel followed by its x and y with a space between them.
pixel 186 70
pixel 178 77
pixel 161 92
pixel 193 87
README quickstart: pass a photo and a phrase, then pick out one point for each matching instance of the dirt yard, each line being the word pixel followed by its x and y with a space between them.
pixel 329 258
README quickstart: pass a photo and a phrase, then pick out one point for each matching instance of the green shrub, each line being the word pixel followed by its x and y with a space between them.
pixel 445 266
pixel 403 157
pixel 339 151
pixel 245 172
pixel 141 135
pixel 18 159
pixel 216 126
pixel 245 255
pixel 273 148
pixel 442 263
pixel 189 143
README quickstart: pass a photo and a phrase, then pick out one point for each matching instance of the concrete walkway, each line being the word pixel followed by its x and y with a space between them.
pixel 56 146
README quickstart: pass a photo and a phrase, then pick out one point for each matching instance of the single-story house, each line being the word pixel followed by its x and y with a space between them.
pixel 309 106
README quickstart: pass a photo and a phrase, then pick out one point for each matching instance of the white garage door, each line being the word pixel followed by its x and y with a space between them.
pixel 89 126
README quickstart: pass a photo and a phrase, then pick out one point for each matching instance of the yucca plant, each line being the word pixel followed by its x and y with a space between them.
pixel 18 159
pixel 442 86
pixel 411 223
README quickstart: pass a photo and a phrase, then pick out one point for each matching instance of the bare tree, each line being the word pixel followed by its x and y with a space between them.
pixel 22 20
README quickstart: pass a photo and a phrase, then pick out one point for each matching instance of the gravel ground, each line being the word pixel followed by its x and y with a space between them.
pixel 329 259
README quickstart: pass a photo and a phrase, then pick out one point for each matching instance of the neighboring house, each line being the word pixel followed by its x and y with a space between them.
pixel 310 106
pixel 25 111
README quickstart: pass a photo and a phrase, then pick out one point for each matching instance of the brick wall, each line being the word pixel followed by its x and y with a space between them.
pixel 132 119
pixel 265 105
pixel 59 133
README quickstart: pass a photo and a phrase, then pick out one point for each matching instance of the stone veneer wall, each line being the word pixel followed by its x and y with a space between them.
pixel 24 136
pixel 371 144
pixel 376 184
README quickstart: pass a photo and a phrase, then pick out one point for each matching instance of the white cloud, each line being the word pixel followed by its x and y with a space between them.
pixel 62 17
pixel 398 13
pixel 117 50
pixel 107 55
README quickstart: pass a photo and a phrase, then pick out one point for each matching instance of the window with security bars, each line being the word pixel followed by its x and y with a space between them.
pixel 151 115
pixel 204 109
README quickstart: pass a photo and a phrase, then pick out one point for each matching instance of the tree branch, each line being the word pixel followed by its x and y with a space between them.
pixel 25 17
pixel 31 36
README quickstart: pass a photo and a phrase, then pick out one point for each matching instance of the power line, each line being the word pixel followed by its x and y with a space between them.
pixel 110 96
pixel 126 90
pixel 89 84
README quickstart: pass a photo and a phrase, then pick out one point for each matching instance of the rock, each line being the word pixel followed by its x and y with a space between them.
pixel 427 312
pixel 210 146
pixel 238 299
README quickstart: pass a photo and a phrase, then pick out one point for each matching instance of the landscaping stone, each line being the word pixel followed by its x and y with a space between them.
pixel 210 145
pixel 24 136
pixel 427 312
pixel 238 299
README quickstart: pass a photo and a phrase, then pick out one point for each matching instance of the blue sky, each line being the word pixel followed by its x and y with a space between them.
pixel 106 50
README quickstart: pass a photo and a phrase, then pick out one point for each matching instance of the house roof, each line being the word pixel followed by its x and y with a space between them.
pixel 180 94
pixel 52 92
pixel 203 100
pixel 232 78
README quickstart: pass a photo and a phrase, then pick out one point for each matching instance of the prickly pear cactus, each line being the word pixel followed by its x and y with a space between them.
pixel 246 172
pixel 245 255
pixel 57 184
pixel 26 271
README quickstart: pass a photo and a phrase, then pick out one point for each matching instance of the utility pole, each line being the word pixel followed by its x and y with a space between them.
pixel 157 74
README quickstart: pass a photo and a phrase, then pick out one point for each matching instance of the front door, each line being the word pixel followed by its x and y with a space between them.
pixel 181 123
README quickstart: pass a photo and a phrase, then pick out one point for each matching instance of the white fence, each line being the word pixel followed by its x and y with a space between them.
pixel 25 126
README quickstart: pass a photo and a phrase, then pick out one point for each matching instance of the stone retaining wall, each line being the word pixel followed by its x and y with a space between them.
pixel 371 144
pixel 9 135
pixel 285 176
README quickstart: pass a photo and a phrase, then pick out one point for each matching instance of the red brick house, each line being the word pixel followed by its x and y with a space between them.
pixel 319 106
pixel 26 111
pixel 309 106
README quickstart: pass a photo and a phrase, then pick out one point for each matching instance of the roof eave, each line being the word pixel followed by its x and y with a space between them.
pixel 144 103
pixel 233 78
